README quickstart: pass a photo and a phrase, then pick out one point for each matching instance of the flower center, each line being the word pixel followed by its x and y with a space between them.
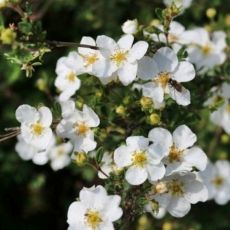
pixel 172 38
pixel 119 56
pixel 162 79
pixel 176 188
pixel 81 129
pixel 93 218
pixel 71 77
pixel 139 158
pixel 60 152
pixel 90 59
pixel 218 181
pixel 37 129
pixel 175 154
pixel 206 49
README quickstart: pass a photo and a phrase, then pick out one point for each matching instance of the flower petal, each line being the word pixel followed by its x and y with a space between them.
pixel 91 117
pixel 127 73
pixel 195 157
pixel 138 50
pixel 86 41
pixel 155 172
pixel 161 136
pixel 153 91
pixel 195 192
pixel 183 137
pixel 27 114
pixel 136 175
pixel 138 142
pixel 166 59
pixel 45 116
pixel 185 72
pixel 123 156
pixel 125 42
pixel 181 97
pixel 179 207
pixel 147 68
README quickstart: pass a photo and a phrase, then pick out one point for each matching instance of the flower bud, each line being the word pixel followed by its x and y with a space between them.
pixel 227 20
pixel 41 84
pixel 211 13
pixel 167 226
pixel 120 110
pixel 154 119
pixel 224 138
pixel 7 36
pixel 80 158
pixel 160 187
pixel 130 26
pixel 146 102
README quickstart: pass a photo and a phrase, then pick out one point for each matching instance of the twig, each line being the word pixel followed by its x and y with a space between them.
pixel 11 135
pixel 67 44
pixel 38 15
pixel 98 169
pixel 17 9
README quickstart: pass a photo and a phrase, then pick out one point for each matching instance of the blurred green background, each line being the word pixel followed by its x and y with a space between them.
pixel 34 197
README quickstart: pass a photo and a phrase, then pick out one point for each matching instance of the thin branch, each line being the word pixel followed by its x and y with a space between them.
pixel 38 15
pixel 16 8
pixel 69 44
pixel 11 135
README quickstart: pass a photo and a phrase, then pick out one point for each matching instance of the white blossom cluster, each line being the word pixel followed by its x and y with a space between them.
pixel 176 169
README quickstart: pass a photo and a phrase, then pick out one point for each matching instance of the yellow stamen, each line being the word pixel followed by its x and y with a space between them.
pixel 37 129
pixel 218 181
pixel 172 38
pixel 119 57
pixel 71 77
pixel 81 129
pixel 162 79
pixel 206 49
pixel 139 158
pixel 90 59
pixel 176 188
pixel 175 154
pixel 93 219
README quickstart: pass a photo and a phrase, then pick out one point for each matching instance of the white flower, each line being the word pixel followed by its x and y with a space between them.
pixel 35 125
pixel 221 116
pixel 217 179
pixel 108 166
pixel 165 73
pixel 175 35
pixel 182 155
pixel 143 161
pixel 29 152
pixel 76 125
pixel 179 3
pixel 182 190
pixel 68 68
pixel 59 156
pixel 95 209
pixel 91 57
pixel 130 26
pixel 121 57
pixel 205 51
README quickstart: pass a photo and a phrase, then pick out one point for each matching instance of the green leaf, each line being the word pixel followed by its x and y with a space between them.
pixel 99 155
